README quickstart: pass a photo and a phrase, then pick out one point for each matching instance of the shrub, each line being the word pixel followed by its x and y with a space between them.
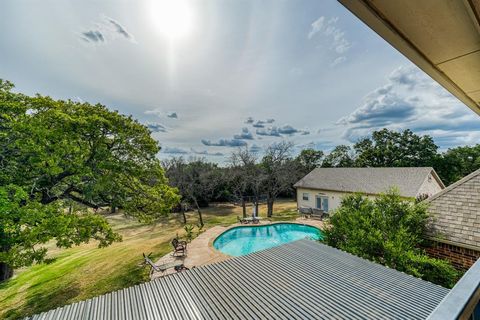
pixel 388 230
pixel 189 231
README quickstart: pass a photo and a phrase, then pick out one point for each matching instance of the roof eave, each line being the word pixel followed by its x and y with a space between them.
pixel 454 243
pixel 367 13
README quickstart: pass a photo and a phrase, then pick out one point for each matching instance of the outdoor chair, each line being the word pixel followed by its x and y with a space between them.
pixel 317 214
pixel 179 247
pixel 242 220
pixel 177 265
pixel 306 212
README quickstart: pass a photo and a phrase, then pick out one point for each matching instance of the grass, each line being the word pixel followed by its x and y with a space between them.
pixel 86 271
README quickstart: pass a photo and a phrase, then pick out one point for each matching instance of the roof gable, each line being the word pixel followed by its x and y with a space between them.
pixel 408 180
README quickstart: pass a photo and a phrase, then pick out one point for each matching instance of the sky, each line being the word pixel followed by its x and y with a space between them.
pixel 210 76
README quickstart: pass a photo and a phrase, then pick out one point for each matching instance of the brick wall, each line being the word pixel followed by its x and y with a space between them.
pixel 461 258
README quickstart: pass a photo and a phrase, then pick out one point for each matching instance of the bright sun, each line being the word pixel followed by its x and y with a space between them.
pixel 173 18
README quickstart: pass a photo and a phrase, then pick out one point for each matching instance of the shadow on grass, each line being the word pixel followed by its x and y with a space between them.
pixel 49 260
pixel 43 301
pixel 130 275
pixel 220 209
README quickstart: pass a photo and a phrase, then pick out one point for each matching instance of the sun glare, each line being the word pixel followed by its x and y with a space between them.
pixel 173 18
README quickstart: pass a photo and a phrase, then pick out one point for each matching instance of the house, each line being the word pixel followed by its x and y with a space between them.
pixel 456 222
pixel 324 188
pixel 300 280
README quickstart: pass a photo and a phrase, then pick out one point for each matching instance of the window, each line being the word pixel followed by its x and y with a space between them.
pixel 305 196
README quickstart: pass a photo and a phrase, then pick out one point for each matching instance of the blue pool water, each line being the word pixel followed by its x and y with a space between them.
pixel 240 241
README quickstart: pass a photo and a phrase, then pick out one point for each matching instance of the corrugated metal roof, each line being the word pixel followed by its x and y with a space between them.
pixel 407 180
pixel 301 280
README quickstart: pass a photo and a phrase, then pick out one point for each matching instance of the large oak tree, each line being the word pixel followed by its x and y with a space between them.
pixel 53 152
pixel 389 148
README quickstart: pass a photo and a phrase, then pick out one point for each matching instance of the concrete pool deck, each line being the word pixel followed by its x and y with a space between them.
pixel 201 251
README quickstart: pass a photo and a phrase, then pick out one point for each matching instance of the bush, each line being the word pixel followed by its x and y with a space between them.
pixel 434 270
pixel 388 230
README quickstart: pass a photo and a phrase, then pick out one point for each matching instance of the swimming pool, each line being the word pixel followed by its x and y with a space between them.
pixel 243 240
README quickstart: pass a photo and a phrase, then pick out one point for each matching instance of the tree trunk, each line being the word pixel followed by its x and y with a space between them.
pixel 6 272
pixel 113 209
pixel 269 207
pixel 200 218
pixel 244 208
pixel 182 209
pixel 256 207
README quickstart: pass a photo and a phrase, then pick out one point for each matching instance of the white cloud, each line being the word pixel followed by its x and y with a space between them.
pixel 329 31
pixel 411 100
pixel 317 26
pixel 338 61
pixel 156 112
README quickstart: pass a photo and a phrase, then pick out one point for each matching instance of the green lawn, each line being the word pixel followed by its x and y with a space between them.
pixel 86 271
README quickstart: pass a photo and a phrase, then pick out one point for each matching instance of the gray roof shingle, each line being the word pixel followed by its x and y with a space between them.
pixel 301 280
pixel 408 180
pixel 456 212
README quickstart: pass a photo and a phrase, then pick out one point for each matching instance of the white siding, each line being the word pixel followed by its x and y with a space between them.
pixel 334 198
pixel 430 186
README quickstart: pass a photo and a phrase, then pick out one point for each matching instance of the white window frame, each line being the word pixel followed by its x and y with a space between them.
pixel 303 196
pixel 321 197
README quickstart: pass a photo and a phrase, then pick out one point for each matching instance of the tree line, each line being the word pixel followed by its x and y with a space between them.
pixel 388 148
pixel 247 175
